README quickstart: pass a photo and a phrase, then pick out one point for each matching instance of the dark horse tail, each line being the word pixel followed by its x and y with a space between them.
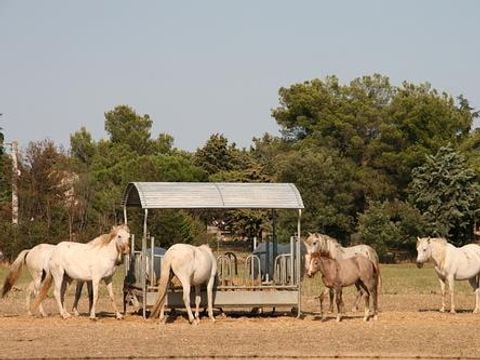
pixel 376 269
pixel 14 273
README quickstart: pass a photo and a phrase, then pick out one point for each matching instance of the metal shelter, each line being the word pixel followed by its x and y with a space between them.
pixel 276 285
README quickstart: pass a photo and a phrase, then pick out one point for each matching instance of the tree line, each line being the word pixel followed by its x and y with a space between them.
pixel 375 163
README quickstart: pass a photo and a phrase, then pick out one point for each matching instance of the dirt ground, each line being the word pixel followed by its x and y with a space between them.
pixel 408 327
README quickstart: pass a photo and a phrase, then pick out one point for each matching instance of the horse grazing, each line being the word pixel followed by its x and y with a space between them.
pixel 337 274
pixel 452 263
pixel 93 262
pixel 193 266
pixel 316 243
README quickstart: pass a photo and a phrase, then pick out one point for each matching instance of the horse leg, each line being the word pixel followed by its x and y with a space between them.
pixel 90 295
pixel 186 300
pixel 95 283
pixel 331 295
pixel 366 295
pixel 338 292
pixel 375 299
pixel 109 283
pixel 198 298
pixel 58 291
pixel 320 300
pixel 78 293
pixel 37 283
pixel 442 290
pixel 474 283
pixel 30 291
pixel 357 298
pixel 451 286
pixel 210 284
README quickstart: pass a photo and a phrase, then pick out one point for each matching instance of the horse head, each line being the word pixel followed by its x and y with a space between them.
pixel 313 264
pixel 122 237
pixel 424 251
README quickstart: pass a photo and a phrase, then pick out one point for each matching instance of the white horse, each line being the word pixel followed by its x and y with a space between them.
pixel 452 263
pixel 321 243
pixel 36 260
pixel 193 266
pixel 94 261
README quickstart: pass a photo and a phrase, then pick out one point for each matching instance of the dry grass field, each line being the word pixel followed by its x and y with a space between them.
pixel 409 326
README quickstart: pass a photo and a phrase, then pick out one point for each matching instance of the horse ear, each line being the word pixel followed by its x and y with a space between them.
pixel 428 240
pixel 418 241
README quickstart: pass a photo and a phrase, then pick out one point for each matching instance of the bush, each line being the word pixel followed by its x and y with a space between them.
pixel 390 226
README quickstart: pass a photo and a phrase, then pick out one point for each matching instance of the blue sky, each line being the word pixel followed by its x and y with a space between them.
pixel 202 67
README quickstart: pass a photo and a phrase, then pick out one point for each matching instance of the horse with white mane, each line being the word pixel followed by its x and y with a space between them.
pixel 94 261
pixel 320 243
pixel 193 266
pixel 451 263
pixel 36 260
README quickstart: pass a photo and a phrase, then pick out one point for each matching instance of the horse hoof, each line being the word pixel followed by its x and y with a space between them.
pixel 338 319
pixel 119 316
pixel 93 318
pixel 375 317
pixel 76 313
pixel 453 311
pixel 66 315
pixel 365 318
pixel 442 310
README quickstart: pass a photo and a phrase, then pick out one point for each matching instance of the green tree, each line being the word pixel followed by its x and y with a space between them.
pixel 390 226
pixel 376 125
pixel 218 155
pixel 446 191
pixel 82 146
pixel 125 126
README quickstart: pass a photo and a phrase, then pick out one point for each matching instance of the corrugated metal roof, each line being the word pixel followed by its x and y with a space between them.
pixel 183 195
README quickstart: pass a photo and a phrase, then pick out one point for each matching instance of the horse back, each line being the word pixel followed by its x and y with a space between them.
pixel 464 261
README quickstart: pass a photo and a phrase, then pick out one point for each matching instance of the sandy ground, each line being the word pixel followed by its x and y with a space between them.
pixel 409 326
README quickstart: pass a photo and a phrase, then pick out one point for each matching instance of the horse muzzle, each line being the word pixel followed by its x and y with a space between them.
pixel 124 249
pixel 419 265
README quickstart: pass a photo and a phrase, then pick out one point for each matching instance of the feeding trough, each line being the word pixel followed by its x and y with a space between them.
pixel 269 276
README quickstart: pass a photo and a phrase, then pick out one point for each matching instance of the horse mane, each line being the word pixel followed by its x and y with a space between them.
pixel 442 241
pixel 322 253
pixel 105 239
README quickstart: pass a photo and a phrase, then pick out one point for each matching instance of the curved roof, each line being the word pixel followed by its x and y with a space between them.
pixel 190 195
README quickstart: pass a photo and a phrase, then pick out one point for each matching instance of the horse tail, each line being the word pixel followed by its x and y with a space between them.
pixel 15 270
pixel 162 288
pixel 42 294
pixel 373 256
pixel 376 268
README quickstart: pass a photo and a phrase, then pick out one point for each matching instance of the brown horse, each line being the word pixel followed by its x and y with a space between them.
pixel 337 274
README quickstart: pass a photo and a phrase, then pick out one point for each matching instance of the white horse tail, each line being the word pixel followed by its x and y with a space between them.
pixel 42 294
pixel 162 287
pixel 15 270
